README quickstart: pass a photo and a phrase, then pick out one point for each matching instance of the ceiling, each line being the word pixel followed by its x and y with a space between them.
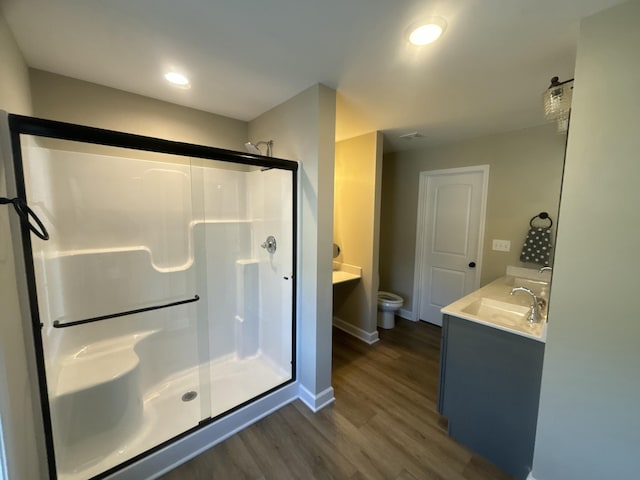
pixel 485 75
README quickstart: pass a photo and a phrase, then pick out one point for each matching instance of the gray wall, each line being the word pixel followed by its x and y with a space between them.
pixel 70 100
pixel 524 179
pixel 17 413
pixel 303 129
pixel 356 223
pixel 589 424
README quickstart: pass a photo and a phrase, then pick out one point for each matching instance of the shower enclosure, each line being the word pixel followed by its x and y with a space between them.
pixel 164 296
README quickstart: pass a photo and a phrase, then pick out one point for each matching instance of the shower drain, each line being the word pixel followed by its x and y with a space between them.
pixel 187 397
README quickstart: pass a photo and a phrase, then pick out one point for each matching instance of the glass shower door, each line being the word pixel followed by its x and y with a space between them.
pixel 118 298
pixel 164 298
pixel 247 236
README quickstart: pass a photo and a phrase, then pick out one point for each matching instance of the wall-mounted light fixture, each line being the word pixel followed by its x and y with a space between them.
pixel 557 102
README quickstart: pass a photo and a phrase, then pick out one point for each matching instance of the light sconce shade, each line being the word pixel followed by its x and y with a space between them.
pixel 426 31
pixel 557 102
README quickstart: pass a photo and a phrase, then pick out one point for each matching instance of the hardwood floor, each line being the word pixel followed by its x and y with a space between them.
pixel 383 424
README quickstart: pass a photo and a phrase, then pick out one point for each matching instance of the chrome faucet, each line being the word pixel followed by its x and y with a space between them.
pixel 537 304
pixel 545 269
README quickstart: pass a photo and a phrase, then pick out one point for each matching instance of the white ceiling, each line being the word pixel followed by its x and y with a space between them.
pixel 485 75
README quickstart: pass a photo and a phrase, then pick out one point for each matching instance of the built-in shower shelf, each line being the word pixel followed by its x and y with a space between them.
pixel 223 220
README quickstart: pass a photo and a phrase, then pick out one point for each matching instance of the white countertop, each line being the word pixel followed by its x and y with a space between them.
pixel 343 272
pixel 493 306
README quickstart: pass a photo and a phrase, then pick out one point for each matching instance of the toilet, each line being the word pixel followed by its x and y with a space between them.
pixel 388 305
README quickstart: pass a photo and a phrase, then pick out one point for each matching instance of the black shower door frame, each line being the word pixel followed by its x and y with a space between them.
pixel 24 125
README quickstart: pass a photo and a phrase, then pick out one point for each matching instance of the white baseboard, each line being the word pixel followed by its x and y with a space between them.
pixel 407 315
pixel 367 337
pixel 316 402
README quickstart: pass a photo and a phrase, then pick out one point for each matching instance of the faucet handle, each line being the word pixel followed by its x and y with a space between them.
pixel 537 304
pixel 542 303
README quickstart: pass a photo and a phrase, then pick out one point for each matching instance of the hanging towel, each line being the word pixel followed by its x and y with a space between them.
pixel 537 246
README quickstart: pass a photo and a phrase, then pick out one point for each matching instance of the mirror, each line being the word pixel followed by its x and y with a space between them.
pixel 525 174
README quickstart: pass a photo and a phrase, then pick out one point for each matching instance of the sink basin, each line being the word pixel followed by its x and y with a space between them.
pixel 538 287
pixel 343 272
pixel 493 307
pixel 501 313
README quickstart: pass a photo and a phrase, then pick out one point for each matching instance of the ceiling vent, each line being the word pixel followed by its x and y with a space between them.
pixel 411 136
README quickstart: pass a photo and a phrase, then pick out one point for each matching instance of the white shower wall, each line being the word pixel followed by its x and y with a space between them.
pixel 140 249
pixel 270 201
pixel 130 233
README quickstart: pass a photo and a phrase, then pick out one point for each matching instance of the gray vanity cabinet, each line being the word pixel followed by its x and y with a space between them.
pixel 489 391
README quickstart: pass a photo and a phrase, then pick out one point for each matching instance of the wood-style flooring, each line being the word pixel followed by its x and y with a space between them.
pixel 383 424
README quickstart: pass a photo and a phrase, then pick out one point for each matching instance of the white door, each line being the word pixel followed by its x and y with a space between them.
pixel 451 215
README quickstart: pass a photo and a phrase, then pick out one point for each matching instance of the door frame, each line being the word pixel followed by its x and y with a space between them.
pixel 421 227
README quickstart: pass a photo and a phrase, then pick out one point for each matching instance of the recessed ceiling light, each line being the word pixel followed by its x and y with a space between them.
pixel 177 79
pixel 426 31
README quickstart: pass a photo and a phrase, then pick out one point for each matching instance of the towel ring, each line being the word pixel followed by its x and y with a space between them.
pixel 542 216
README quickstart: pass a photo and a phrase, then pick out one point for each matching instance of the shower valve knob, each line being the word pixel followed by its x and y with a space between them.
pixel 269 244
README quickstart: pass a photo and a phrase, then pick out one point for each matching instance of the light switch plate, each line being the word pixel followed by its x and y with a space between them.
pixel 502 245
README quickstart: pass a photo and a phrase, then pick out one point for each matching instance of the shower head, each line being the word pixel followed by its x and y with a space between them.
pixel 253 147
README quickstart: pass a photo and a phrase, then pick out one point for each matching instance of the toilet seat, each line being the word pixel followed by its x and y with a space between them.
pixel 389 298
pixel 388 305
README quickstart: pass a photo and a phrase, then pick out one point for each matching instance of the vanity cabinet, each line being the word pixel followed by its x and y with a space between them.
pixel 489 391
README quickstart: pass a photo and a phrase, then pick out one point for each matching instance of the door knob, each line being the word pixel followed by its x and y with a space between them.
pixel 472 264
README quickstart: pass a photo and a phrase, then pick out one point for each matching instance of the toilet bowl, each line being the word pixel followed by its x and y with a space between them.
pixel 388 305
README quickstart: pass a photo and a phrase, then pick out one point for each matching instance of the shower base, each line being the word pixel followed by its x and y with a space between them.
pixel 166 415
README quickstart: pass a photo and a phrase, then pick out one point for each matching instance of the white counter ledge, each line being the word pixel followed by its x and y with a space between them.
pixel 493 306
pixel 343 272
